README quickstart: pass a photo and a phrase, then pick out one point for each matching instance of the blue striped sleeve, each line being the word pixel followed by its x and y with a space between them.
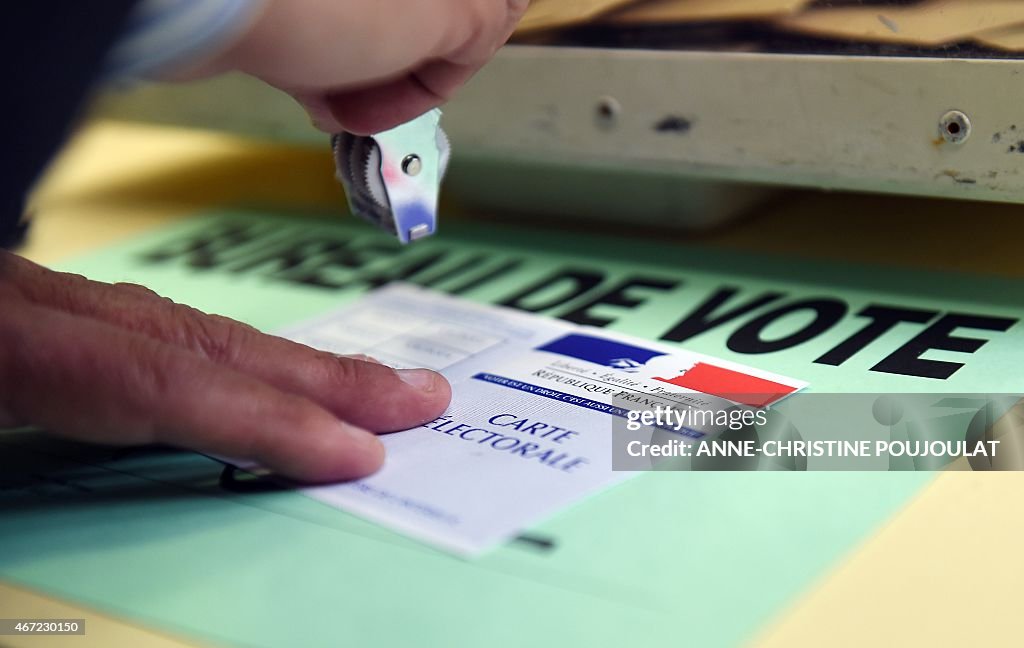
pixel 164 35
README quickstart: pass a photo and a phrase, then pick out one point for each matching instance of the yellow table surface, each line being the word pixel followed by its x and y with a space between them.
pixel 941 569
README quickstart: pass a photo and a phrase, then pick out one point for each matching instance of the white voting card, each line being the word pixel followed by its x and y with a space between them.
pixel 529 429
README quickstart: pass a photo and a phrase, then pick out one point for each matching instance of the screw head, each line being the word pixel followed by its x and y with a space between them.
pixel 955 127
pixel 607 111
pixel 412 165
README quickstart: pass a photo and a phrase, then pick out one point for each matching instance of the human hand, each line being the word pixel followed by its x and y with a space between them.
pixel 118 364
pixel 368 65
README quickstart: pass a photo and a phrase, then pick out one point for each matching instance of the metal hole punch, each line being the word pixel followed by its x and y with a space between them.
pixel 393 178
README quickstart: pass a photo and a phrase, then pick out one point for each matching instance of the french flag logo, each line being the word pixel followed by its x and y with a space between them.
pixel 608 353
pixel 702 377
pixel 731 385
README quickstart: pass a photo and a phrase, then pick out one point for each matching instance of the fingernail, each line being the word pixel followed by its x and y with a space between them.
pixel 422 379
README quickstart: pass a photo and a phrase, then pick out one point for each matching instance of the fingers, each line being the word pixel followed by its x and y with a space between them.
pixel 310 44
pixel 392 59
pixel 381 106
pixel 378 108
pixel 367 394
pixel 92 381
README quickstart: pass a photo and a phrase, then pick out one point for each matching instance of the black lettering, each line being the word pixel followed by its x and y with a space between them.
pixel 826 313
pixel 907 361
pixel 314 261
pixel 702 320
pixel 883 320
pixel 290 254
pixel 619 296
pixel 208 247
pixel 404 269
